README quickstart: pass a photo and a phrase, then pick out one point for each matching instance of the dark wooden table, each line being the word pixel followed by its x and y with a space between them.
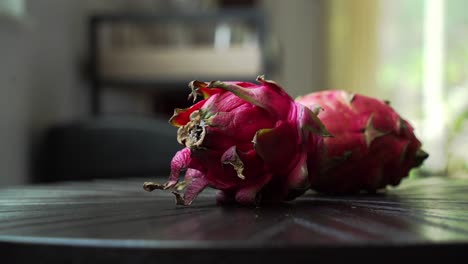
pixel 117 222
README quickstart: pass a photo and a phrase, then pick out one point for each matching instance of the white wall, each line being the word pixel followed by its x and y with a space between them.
pixel 39 82
pixel 299 28
pixel 13 106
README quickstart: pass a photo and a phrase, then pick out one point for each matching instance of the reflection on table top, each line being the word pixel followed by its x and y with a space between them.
pixel 116 219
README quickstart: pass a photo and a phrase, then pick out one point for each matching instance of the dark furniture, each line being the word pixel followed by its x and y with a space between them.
pixel 110 221
pixel 108 147
pixel 163 84
pixel 120 145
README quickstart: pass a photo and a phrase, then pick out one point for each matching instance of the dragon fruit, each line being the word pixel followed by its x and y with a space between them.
pixel 250 141
pixel 254 144
pixel 371 147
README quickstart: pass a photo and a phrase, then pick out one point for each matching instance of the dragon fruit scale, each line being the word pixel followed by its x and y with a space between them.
pixel 249 141
pixel 371 147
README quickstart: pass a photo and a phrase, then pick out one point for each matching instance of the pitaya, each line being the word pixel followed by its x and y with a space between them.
pixel 254 143
pixel 249 141
pixel 371 147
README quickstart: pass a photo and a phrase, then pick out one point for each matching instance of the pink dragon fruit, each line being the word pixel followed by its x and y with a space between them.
pixel 249 141
pixel 371 147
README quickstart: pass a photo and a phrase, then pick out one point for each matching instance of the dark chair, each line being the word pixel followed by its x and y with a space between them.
pixel 108 147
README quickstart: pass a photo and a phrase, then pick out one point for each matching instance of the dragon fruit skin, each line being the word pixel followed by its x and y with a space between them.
pixel 371 147
pixel 250 141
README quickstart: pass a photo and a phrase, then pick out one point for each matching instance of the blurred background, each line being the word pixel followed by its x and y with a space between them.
pixel 86 87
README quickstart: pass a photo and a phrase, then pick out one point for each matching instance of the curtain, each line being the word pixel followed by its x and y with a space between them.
pixel 352 45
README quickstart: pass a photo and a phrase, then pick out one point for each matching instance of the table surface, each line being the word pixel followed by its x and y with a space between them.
pixel 108 220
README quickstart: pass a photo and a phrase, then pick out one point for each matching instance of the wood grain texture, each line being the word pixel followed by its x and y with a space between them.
pixel 108 220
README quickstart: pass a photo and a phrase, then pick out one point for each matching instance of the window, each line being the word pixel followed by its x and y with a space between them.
pixel 423 68
pixel 415 54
